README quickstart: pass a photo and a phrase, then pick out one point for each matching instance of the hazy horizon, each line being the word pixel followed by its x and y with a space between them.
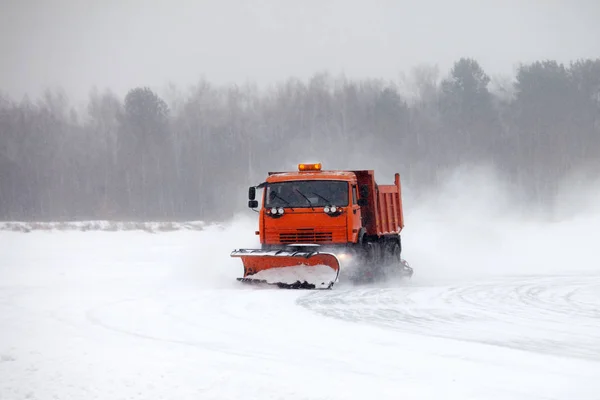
pixel 80 45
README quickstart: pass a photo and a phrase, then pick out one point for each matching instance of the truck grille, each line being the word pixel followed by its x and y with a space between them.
pixel 305 236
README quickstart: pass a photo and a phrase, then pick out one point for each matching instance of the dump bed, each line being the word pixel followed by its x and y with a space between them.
pixel 383 213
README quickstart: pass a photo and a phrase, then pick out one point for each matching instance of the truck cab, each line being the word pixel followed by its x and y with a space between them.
pixel 309 206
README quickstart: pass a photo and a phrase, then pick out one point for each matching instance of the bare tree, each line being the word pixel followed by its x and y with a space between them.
pixel 141 158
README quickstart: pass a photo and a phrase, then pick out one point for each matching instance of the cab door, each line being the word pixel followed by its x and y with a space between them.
pixel 354 216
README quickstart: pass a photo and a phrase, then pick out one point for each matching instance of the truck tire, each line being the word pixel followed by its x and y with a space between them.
pixel 388 252
pixel 396 253
pixel 371 253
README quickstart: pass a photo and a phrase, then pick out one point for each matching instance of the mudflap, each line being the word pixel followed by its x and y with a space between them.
pixel 289 268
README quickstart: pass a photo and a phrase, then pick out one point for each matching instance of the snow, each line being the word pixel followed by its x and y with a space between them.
pixel 500 307
pixel 101 225
pixel 319 275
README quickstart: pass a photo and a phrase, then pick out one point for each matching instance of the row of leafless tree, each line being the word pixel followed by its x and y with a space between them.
pixel 193 158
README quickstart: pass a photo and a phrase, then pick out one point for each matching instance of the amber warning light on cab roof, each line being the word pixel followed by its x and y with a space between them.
pixel 309 167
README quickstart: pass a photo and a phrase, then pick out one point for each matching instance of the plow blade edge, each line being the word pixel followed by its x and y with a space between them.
pixel 296 269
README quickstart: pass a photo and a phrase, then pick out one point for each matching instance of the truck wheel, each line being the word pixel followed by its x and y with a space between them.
pixel 396 253
pixel 371 253
pixel 389 253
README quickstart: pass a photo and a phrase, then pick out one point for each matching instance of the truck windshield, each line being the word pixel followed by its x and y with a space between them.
pixel 306 194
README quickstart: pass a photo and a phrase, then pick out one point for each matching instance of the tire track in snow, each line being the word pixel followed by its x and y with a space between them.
pixel 100 316
pixel 548 314
pixel 178 320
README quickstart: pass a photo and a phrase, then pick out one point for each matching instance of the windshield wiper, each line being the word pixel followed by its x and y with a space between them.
pixel 275 194
pixel 326 200
pixel 307 199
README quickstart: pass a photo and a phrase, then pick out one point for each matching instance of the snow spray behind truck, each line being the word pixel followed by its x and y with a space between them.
pixel 312 222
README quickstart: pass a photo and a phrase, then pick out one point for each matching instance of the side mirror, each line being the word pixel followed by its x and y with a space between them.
pixel 253 203
pixel 362 202
pixel 364 191
pixel 251 193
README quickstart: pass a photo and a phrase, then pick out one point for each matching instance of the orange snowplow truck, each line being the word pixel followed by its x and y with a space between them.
pixel 314 223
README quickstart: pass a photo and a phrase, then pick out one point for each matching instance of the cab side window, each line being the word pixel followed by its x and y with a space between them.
pixel 354 195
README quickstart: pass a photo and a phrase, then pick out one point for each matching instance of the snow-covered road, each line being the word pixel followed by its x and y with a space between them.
pixel 135 315
pixel 557 315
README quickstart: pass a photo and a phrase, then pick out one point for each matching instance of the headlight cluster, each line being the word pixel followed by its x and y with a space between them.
pixel 332 210
pixel 276 210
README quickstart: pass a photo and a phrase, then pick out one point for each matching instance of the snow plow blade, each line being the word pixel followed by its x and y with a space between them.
pixel 289 269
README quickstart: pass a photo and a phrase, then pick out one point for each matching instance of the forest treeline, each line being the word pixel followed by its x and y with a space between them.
pixel 142 157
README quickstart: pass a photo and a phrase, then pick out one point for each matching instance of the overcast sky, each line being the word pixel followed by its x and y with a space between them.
pixel 122 44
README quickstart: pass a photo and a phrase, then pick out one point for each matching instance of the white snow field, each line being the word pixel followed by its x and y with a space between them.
pixel 500 307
